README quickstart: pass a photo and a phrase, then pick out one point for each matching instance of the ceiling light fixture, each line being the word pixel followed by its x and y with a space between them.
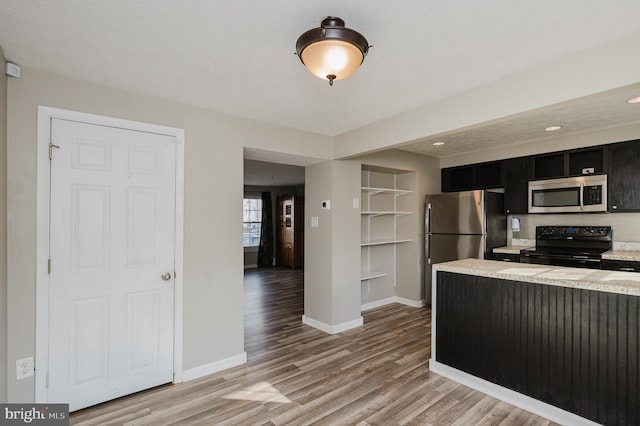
pixel 552 128
pixel 635 100
pixel 332 51
pixel 438 143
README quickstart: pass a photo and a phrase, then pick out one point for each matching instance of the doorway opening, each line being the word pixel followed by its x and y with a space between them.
pixel 273 240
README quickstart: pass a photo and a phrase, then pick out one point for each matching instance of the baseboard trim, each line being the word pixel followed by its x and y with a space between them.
pixel 413 303
pixel 214 367
pixel 390 300
pixel 252 266
pixel 332 329
pixel 532 405
pixel 378 303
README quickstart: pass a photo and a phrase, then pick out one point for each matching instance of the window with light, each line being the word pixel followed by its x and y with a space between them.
pixel 251 221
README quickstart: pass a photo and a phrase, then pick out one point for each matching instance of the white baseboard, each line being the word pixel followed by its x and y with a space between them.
pixel 378 303
pixel 413 303
pixel 390 300
pixel 252 266
pixel 532 405
pixel 214 367
pixel 332 329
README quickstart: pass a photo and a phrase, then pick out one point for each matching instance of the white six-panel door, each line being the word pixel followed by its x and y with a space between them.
pixel 112 236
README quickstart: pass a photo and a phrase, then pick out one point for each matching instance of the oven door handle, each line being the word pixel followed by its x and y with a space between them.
pixel 582 196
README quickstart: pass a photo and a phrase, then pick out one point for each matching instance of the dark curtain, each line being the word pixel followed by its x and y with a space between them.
pixel 265 249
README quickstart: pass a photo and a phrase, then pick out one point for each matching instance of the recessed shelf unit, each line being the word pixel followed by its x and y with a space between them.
pixel 387 207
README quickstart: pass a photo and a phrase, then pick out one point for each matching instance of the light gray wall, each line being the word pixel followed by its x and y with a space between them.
pixel 213 253
pixel 4 370
pixel 345 249
pixel 318 243
pixel 410 281
pixel 332 250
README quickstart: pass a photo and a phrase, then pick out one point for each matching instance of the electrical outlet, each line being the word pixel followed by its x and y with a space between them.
pixel 24 368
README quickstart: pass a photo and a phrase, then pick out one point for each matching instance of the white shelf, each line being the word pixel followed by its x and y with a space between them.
pixel 369 275
pixel 383 242
pixel 374 191
pixel 387 213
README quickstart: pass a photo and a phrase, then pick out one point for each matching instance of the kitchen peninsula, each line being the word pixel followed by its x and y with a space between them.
pixel 560 342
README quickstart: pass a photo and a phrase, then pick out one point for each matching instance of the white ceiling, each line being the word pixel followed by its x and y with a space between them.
pixel 238 57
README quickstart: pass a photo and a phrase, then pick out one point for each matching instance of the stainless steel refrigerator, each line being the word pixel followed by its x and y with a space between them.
pixel 460 225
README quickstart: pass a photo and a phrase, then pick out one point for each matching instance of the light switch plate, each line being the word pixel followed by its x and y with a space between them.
pixel 356 203
pixel 314 221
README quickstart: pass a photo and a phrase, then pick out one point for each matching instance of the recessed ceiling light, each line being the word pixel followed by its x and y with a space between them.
pixel 635 100
pixel 438 143
pixel 552 128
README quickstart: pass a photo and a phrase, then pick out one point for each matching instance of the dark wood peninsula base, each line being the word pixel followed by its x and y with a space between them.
pixel 572 348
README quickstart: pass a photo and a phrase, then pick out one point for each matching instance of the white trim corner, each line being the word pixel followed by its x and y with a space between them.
pixel 214 367
pixel 332 329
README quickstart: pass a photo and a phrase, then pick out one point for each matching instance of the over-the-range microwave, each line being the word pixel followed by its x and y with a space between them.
pixel 587 193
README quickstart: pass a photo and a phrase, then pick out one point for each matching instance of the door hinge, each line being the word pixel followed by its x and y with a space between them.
pixel 49 266
pixel 51 146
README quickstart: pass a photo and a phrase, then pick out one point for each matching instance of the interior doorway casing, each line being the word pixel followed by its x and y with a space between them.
pixel 45 115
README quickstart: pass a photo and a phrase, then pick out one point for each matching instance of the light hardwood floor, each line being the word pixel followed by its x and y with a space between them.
pixel 297 375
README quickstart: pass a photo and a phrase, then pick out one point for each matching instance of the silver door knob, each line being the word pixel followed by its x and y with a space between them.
pixel 166 276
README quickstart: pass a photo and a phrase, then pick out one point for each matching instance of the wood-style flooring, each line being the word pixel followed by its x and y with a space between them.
pixel 297 375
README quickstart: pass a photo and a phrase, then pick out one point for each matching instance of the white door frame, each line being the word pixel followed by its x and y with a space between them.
pixel 45 115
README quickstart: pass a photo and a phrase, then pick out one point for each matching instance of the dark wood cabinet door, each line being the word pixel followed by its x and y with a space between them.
pixel 624 177
pixel 457 179
pixel 549 166
pixel 488 175
pixel 516 185
pixel 290 236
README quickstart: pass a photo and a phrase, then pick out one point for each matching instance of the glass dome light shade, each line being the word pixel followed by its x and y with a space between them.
pixel 332 51
pixel 332 57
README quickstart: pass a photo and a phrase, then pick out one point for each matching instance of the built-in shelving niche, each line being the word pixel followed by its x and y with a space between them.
pixel 387 212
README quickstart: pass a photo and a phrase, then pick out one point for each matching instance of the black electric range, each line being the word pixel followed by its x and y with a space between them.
pixel 574 246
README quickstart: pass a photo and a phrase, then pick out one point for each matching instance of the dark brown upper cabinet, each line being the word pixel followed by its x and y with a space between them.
pixel 624 177
pixel 575 162
pixel 517 172
pixel 621 162
pixel 474 176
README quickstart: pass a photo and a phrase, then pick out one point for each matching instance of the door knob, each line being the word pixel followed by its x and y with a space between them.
pixel 166 276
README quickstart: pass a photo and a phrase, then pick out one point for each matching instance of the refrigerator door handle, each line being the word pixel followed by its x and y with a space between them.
pixel 427 233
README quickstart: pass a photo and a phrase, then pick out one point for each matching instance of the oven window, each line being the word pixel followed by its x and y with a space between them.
pixel 560 197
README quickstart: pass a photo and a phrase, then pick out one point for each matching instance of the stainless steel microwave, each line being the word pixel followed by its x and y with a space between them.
pixel 569 195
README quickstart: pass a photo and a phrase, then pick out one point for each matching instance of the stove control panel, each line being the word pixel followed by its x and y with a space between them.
pixel 573 232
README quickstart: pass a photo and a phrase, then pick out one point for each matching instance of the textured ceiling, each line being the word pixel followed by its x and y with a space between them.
pixel 601 111
pixel 237 57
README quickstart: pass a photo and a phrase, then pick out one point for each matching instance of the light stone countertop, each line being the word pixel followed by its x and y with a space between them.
pixel 629 255
pixel 510 249
pixel 589 279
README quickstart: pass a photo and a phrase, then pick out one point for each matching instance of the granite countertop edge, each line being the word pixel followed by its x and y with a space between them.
pixel 630 255
pixel 589 279
pixel 510 249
